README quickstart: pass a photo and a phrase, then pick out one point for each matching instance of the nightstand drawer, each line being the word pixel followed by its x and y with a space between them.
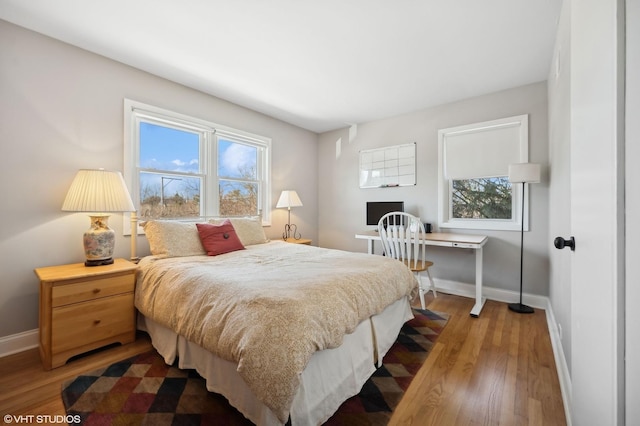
pixel 91 289
pixel 80 324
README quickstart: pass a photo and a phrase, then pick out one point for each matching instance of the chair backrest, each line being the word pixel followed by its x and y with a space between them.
pixel 403 237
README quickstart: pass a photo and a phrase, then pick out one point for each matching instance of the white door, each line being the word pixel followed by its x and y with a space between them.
pixel 632 211
pixel 597 324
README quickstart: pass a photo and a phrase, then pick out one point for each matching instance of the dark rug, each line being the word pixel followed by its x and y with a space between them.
pixel 143 390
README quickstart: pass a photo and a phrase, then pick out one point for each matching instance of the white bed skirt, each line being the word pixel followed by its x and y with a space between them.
pixel 331 376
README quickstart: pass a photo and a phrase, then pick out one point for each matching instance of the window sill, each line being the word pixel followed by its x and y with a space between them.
pixel 487 225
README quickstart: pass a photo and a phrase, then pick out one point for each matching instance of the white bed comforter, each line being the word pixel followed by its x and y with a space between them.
pixel 270 307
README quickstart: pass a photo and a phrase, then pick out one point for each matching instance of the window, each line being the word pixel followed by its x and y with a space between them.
pixel 238 182
pixel 168 170
pixel 181 167
pixel 474 190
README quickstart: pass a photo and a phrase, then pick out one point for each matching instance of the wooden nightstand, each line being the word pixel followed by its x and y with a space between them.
pixel 83 308
pixel 300 241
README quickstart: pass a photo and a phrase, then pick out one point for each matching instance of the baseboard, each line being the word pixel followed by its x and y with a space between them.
pixel 540 302
pixel 18 342
pixel 561 363
pixel 497 294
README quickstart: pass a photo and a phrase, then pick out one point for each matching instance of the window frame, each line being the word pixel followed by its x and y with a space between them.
pixel 135 112
pixel 445 184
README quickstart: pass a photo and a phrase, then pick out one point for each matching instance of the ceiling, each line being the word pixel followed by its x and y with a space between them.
pixel 320 65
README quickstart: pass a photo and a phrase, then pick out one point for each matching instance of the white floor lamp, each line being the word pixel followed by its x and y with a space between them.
pixel 523 173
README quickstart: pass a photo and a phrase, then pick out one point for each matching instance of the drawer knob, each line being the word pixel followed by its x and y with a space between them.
pixel 96 290
pixel 96 322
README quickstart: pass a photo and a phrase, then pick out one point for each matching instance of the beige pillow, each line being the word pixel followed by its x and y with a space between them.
pixel 248 229
pixel 172 238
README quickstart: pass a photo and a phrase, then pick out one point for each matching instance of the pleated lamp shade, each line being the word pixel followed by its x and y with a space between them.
pixel 288 199
pixel 99 191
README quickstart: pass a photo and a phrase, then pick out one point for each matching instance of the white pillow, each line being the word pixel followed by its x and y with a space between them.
pixel 248 229
pixel 173 239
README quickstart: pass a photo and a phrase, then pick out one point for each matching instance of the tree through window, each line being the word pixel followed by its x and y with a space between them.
pixel 482 198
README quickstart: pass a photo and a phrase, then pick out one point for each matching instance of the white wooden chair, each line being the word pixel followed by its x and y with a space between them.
pixel 403 238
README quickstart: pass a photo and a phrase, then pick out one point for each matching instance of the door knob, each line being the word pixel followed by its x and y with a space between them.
pixel 561 243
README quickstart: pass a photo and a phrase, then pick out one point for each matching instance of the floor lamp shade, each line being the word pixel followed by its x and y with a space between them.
pixel 287 200
pixel 523 173
pixel 98 192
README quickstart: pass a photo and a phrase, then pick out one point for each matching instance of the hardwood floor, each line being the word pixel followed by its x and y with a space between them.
pixel 494 370
pixel 497 369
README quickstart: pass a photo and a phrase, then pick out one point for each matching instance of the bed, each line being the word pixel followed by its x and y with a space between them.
pixel 286 332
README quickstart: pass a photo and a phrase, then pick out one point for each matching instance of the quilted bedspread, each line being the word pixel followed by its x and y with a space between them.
pixel 269 307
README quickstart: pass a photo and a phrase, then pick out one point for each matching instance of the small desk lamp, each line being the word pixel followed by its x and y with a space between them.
pixel 98 192
pixel 289 199
pixel 523 173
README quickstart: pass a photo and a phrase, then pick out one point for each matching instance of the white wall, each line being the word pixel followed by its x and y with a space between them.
pixel 61 109
pixel 343 213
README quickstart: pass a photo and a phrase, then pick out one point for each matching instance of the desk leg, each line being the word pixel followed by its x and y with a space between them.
pixel 475 312
pixel 370 246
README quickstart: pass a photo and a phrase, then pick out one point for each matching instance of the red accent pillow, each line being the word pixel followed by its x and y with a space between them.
pixel 219 239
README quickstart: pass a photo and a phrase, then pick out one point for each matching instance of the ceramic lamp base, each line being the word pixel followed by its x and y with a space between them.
pixel 99 242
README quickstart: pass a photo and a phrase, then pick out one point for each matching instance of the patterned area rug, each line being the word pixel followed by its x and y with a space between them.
pixel 143 390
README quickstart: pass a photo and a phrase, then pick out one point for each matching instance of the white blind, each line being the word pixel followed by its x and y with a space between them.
pixel 486 150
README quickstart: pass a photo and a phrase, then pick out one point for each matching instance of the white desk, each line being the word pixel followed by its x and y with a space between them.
pixel 443 239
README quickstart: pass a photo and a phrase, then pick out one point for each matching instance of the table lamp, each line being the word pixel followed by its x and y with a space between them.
pixel 289 199
pixel 523 173
pixel 98 192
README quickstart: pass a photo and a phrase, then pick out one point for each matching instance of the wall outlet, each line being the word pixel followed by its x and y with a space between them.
pixel 560 330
